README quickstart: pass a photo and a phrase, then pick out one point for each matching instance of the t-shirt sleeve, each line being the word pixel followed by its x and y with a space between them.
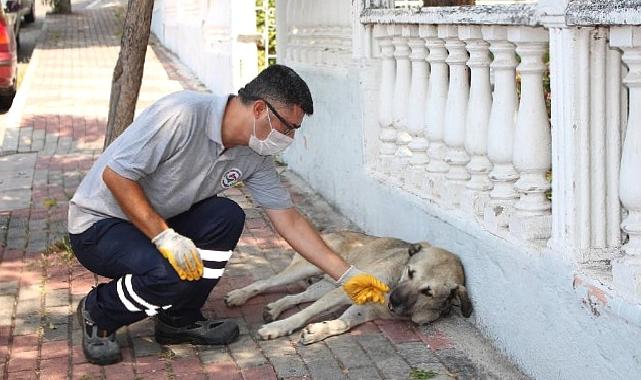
pixel 266 188
pixel 147 142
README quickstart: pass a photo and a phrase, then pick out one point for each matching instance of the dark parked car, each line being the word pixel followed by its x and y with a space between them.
pixel 8 53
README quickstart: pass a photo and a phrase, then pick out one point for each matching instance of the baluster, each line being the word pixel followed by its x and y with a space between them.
pixel 296 30
pixel 399 108
pixel 307 31
pixel 477 189
pixel 435 109
pixel 455 111
pixel 501 129
pixel 416 113
pixel 384 34
pixel 531 219
pixel 626 270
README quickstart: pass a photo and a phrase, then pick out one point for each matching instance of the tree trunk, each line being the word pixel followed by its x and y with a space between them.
pixel 62 6
pixel 127 77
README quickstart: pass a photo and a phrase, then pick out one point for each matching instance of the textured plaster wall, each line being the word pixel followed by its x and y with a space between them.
pixel 524 301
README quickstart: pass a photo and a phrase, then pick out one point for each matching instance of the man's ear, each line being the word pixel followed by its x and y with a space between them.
pixel 258 108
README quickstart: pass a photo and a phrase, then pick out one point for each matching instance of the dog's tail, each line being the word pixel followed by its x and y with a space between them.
pixel 414 249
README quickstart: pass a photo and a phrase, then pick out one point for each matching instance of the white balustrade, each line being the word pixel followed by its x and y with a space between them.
pixel 532 142
pixel 455 113
pixel 384 34
pixel 400 105
pixel 435 108
pixel 478 188
pixel 453 128
pixel 416 113
pixel 501 129
pixel 627 269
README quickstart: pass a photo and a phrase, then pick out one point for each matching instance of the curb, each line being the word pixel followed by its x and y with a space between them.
pixel 10 133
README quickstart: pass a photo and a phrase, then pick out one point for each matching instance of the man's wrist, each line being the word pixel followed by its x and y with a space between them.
pixel 350 272
pixel 159 236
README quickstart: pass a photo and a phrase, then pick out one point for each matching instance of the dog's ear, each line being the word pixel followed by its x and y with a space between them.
pixel 464 299
pixel 414 249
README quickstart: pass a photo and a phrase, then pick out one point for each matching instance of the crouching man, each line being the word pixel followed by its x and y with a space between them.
pixel 150 204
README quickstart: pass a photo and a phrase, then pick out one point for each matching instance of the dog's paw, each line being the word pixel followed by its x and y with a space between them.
pixel 236 297
pixel 271 312
pixel 315 332
pixel 274 330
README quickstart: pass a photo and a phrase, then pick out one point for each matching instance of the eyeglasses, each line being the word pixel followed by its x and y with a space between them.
pixel 291 128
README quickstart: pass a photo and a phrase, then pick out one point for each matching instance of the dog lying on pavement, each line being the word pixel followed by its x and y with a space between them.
pixel 424 282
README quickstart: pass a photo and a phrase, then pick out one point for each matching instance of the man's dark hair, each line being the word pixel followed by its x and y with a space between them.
pixel 281 84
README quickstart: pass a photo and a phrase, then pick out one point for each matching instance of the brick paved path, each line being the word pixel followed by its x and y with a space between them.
pixel 40 284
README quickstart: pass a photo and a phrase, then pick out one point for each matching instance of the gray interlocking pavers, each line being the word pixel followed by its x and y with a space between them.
pixel 320 361
pixel 145 346
pixel 283 356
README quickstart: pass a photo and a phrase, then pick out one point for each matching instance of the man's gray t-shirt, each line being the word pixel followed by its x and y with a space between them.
pixel 174 151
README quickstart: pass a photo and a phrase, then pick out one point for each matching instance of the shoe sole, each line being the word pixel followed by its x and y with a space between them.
pixel 104 361
pixel 161 339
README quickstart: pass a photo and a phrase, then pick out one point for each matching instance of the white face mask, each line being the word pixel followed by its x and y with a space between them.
pixel 275 142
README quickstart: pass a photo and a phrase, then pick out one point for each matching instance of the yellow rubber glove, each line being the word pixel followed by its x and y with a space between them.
pixel 362 287
pixel 181 253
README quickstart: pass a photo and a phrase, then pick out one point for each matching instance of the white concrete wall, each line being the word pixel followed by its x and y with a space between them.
pixel 532 304
pixel 213 38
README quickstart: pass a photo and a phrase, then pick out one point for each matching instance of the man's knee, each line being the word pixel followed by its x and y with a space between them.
pixel 236 215
pixel 164 286
pixel 225 229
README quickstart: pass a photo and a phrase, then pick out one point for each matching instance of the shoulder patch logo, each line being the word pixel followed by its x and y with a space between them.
pixel 230 178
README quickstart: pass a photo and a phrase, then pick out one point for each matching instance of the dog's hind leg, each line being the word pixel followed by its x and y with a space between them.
pixel 312 293
pixel 295 271
pixel 325 304
pixel 353 316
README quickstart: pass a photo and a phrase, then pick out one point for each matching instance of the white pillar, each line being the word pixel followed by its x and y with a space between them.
pixel 400 106
pixel 387 136
pixel 435 108
pixel 626 271
pixel 501 129
pixel 282 36
pixel 532 141
pixel 455 111
pixel 586 84
pixel 294 10
pixel 477 189
pixel 416 114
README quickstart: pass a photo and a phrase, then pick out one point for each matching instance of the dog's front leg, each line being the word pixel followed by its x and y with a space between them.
pixel 294 272
pixel 312 293
pixel 325 304
pixel 353 316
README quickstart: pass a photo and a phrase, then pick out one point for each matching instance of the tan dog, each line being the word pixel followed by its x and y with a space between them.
pixel 424 281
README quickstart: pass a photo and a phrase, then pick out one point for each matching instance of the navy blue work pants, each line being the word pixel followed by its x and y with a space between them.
pixel 143 282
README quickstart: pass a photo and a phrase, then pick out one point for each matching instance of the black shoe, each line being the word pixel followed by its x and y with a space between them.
pixel 207 332
pixel 100 347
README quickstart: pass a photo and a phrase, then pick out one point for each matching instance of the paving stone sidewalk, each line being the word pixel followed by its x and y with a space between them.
pixel 60 136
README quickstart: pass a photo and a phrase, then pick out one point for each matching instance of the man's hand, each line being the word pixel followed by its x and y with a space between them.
pixel 181 253
pixel 362 287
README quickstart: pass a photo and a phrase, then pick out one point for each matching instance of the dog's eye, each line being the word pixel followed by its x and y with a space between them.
pixel 410 273
pixel 427 292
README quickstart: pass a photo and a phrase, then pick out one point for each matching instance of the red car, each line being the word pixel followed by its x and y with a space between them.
pixel 8 53
pixel 11 14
